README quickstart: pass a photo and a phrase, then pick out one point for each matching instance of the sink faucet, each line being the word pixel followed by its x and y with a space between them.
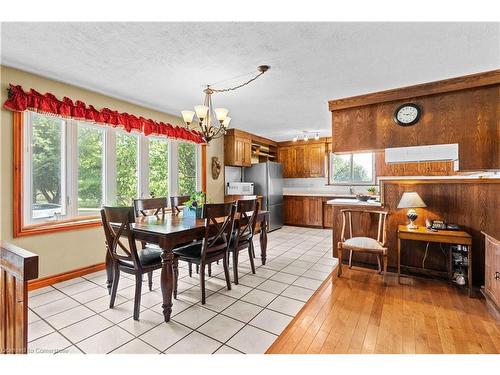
pixel 351 190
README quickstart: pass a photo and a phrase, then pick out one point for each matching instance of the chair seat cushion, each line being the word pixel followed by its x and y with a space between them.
pixel 362 243
pixel 193 251
pixel 148 256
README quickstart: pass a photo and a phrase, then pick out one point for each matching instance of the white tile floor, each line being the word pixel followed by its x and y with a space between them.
pixel 73 316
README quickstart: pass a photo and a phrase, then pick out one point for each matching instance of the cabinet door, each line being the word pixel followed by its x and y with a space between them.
pixel 247 153
pixel 287 158
pixel 327 215
pixel 300 161
pixel 316 160
pixel 314 211
pixel 491 266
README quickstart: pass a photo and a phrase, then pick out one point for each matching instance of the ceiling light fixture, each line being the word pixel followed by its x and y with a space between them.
pixel 294 139
pixel 206 113
pixel 316 137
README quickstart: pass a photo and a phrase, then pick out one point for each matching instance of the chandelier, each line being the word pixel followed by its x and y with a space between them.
pixel 213 122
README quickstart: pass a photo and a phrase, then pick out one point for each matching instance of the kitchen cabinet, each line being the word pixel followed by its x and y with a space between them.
pixel 491 289
pixel 327 214
pixel 303 211
pixel 302 160
pixel 237 148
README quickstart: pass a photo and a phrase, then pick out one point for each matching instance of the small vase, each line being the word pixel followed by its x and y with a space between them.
pixel 195 212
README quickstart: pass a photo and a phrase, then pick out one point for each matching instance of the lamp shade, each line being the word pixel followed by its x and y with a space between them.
pixel 411 199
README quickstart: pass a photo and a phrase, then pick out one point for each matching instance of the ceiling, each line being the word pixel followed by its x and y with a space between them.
pixel 165 65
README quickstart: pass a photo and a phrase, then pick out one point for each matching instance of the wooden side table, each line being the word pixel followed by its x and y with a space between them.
pixel 452 237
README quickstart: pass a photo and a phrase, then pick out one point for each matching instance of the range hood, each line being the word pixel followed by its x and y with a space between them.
pixel 443 152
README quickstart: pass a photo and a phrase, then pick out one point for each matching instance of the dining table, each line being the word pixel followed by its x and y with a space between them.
pixel 169 231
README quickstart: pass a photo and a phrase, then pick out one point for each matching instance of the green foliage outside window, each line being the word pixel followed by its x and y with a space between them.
pixel 187 168
pixel 90 164
pixel 126 169
pixel 158 168
pixel 46 159
pixel 346 168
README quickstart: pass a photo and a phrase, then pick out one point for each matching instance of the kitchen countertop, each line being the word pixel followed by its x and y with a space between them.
pixel 319 195
pixel 352 202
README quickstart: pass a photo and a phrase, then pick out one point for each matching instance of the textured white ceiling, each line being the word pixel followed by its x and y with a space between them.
pixel 165 65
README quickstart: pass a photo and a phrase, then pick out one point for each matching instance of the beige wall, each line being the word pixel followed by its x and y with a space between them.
pixel 68 250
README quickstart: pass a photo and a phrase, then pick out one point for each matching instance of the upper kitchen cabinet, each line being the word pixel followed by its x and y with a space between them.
pixel 305 159
pixel 237 148
pixel 463 111
pixel 242 149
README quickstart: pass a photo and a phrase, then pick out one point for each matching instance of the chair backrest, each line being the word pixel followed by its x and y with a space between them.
pixel 219 219
pixel 142 206
pixel 175 202
pixel 347 223
pixel 246 212
pixel 124 216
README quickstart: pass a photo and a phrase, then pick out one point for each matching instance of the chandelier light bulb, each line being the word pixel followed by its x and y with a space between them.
pixel 201 111
pixel 221 114
pixel 226 121
pixel 187 116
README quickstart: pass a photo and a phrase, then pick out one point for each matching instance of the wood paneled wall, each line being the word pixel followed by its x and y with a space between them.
pixel 471 203
pixel 464 110
pixel 17 266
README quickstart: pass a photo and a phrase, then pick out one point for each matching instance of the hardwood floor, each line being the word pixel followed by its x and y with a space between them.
pixel 357 314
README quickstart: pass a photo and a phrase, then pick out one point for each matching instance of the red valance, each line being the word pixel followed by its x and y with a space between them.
pixel 18 100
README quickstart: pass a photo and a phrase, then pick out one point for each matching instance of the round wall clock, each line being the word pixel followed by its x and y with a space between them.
pixel 407 114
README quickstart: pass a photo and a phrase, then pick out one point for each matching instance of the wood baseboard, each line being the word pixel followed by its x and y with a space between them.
pixel 49 280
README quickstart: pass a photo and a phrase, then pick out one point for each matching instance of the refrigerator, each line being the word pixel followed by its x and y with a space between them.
pixel 268 182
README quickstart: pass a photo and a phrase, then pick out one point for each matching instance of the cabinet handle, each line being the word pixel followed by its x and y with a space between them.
pixel 497 275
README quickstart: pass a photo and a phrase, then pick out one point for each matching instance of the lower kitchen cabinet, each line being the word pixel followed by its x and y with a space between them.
pixel 303 211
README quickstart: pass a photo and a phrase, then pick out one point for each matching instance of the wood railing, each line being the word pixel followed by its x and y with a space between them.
pixel 17 266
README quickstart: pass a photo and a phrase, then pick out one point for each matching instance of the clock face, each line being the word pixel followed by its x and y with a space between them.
pixel 407 114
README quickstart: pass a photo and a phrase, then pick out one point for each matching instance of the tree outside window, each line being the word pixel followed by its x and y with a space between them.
pixel 158 167
pixel 187 168
pixel 351 168
pixel 126 169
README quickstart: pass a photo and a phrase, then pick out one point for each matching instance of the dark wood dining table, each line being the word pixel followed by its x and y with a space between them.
pixel 168 231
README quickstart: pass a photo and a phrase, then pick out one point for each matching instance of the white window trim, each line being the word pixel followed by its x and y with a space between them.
pixel 69 165
pixel 351 182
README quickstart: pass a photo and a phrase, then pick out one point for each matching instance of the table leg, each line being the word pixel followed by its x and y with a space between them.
pixel 109 271
pixel 399 260
pixel 167 281
pixel 263 241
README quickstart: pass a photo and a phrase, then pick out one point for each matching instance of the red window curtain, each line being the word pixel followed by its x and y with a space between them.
pixel 18 100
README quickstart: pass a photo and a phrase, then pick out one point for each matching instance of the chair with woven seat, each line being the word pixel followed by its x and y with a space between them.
pixel 218 219
pixel 124 255
pixel 363 244
pixel 244 229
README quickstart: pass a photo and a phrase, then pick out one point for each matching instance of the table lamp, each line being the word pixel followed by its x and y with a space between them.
pixel 411 200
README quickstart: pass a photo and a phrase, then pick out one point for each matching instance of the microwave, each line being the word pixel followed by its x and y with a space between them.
pixel 239 188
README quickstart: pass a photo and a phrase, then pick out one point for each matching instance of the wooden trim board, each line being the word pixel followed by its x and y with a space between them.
pixel 53 279
pixel 425 89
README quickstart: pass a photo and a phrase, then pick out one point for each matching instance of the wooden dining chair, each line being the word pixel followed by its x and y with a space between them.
pixel 244 229
pixel 176 202
pixel 150 206
pixel 363 244
pixel 218 221
pixel 124 254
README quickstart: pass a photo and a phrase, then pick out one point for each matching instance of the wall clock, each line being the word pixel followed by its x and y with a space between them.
pixel 407 114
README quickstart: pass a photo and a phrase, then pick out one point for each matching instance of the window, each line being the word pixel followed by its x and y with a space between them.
pixel 90 164
pixel 187 168
pixel 46 192
pixel 126 168
pixel 158 167
pixel 70 169
pixel 352 168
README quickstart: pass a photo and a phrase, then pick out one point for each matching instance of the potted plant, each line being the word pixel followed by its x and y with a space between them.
pixel 372 190
pixel 194 206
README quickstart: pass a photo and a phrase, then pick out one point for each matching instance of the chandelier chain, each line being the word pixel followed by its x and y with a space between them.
pixel 240 85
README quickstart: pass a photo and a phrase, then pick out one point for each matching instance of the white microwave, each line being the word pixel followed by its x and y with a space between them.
pixel 239 188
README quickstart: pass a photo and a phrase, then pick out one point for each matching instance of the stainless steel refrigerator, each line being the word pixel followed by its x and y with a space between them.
pixel 268 182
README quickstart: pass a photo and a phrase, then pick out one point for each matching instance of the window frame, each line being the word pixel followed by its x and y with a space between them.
pixel 351 182
pixel 71 220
